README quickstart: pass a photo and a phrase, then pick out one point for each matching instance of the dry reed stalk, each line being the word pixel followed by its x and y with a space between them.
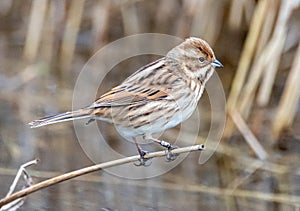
pixel 245 60
pixel 236 13
pixel 100 21
pixel 248 135
pixel 249 7
pixel 34 33
pixel 130 19
pixel 289 101
pixel 188 9
pixel 203 19
pixel 268 27
pixel 90 169
pixel 262 58
pixel 271 69
pixel 165 11
pixel 70 35
pixel 47 42
pixel 278 39
pixel 259 66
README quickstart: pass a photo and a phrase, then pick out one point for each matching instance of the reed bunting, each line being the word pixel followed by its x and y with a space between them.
pixel 156 97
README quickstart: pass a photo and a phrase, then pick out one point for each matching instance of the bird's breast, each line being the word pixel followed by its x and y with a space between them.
pixel 197 89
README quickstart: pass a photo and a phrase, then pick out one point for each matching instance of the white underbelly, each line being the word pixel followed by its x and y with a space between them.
pixel 184 111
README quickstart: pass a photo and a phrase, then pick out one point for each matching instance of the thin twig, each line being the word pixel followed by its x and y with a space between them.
pixel 19 174
pixel 15 204
pixel 90 169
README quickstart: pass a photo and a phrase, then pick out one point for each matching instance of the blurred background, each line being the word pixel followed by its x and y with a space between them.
pixel 44 44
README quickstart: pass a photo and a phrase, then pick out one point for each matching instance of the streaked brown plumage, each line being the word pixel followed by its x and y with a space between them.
pixel 156 97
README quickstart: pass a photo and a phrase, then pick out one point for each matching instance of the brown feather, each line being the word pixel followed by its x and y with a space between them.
pixel 203 46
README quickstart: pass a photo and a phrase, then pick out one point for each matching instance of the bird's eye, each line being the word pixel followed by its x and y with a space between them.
pixel 201 59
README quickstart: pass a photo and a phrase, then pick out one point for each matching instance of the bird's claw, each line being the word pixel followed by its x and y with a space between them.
pixel 142 161
pixel 170 155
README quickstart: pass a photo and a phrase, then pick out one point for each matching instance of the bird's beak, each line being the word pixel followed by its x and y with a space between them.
pixel 216 63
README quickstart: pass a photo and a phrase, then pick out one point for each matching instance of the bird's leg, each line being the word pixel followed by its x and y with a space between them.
pixel 170 156
pixel 89 121
pixel 142 159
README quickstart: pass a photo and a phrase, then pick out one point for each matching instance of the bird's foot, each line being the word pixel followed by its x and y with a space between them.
pixel 170 155
pixel 142 161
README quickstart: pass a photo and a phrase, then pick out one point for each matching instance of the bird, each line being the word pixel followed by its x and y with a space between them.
pixel 158 96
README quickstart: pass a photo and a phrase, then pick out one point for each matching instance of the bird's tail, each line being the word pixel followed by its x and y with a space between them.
pixel 67 116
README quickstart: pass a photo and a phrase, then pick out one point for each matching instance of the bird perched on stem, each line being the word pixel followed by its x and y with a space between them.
pixel 156 97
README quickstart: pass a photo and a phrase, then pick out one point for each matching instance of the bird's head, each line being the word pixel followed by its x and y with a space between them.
pixel 196 57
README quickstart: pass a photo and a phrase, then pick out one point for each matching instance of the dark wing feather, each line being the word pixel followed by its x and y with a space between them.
pixel 149 83
pixel 118 96
pixel 122 96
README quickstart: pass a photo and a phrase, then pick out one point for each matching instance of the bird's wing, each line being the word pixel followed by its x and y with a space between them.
pixel 152 82
pixel 122 96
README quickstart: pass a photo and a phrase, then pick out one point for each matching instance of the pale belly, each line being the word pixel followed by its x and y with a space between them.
pixel 166 120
